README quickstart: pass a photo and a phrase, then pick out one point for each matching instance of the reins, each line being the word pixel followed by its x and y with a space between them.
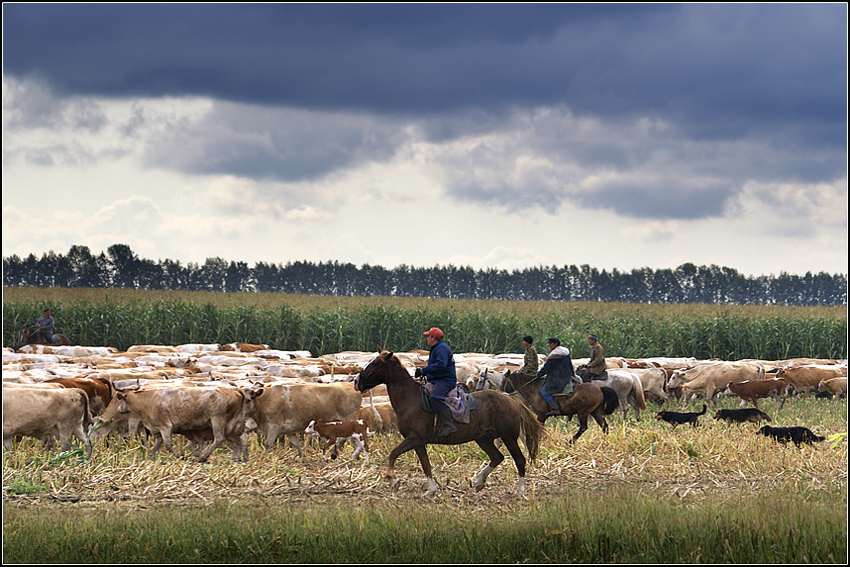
pixel 532 381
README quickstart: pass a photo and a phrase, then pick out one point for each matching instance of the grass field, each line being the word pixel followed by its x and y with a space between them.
pixel 644 493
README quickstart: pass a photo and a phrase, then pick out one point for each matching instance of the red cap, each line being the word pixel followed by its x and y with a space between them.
pixel 434 332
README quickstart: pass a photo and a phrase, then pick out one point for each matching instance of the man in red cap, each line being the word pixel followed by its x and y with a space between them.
pixel 441 373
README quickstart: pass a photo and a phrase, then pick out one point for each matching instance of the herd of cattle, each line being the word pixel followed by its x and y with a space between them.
pixel 214 394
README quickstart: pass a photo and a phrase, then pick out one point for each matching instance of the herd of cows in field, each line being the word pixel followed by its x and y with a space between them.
pixel 216 394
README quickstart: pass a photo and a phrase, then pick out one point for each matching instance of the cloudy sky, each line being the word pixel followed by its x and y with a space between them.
pixel 506 136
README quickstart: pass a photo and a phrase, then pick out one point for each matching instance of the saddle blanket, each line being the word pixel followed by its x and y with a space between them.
pixel 460 403
pixel 568 389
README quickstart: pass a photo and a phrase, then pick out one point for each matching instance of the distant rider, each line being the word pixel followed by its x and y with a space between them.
pixel 45 326
pixel 596 367
pixel 530 363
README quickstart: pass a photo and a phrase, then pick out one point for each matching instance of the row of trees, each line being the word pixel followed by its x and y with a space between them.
pixel 120 267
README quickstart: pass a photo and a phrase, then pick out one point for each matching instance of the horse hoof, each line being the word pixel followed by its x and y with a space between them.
pixel 479 487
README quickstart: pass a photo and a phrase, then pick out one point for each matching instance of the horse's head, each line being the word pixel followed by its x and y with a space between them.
pixel 26 332
pixel 379 371
pixel 581 371
pixel 482 379
pixel 515 380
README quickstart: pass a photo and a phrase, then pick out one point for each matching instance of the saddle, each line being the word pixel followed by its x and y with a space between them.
pixel 459 401
pixel 568 390
pixel 603 376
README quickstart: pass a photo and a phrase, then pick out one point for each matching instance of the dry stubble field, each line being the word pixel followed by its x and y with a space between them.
pixel 642 477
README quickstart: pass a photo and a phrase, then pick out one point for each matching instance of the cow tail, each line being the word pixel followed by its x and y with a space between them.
pixel 87 418
pixel 640 399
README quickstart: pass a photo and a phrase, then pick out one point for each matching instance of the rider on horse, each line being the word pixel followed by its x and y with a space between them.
pixel 559 369
pixel 45 326
pixel 441 373
pixel 530 362
pixel 596 367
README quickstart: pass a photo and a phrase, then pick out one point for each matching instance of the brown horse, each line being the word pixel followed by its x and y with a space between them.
pixel 33 337
pixel 496 415
pixel 588 400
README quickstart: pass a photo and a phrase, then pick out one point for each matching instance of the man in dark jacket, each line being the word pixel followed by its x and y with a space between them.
pixel 441 373
pixel 596 367
pixel 559 371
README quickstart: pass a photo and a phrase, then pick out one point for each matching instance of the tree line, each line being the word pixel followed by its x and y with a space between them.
pixel 120 267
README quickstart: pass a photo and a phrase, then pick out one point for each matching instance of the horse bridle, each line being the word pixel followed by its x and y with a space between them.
pixel 532 381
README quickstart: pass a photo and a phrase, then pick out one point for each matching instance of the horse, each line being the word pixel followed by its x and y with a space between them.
pixel 33 337
pixel 627 385
pixel 491 379
pixel 587 400
pixel 496 416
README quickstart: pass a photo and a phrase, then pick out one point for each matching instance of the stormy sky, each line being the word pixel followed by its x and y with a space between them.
pixel 505 135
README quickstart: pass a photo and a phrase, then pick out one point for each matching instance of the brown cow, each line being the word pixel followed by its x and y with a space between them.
pixel 244 347
pixel 165 411
pixel 835 386
pixel 709 379
pixel 45 413
pixel 287 409
pixel 98 390
pixel 752 390
pixel 806 378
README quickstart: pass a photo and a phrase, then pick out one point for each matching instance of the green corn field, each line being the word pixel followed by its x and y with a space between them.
pixel 320 324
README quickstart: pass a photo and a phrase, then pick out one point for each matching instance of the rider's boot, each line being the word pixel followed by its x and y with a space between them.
pixel 554 409
pixel 447 421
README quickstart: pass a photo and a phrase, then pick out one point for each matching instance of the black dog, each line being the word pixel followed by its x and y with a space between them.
pixel 796 434
pixel 677 418
pixel 743 415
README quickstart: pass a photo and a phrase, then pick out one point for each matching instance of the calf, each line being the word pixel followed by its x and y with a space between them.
pixel 835 386
pixel 340 431
pixel 751 390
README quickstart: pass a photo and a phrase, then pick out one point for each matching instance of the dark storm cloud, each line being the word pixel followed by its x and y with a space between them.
pixel 740 92
pixel 697 63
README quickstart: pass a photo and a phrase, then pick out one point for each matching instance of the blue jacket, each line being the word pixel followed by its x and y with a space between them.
pixel 46 322
pixel 441 364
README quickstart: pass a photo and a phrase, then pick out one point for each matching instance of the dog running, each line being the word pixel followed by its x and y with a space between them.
pixel 743 415
pixel 796 434
pixel 676 418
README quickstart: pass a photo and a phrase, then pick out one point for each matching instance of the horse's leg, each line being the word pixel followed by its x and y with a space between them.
pixel 496 457
pixel 422 453
pixel 582 426
pixel 599 416
pixel 406 445
pixel 519 459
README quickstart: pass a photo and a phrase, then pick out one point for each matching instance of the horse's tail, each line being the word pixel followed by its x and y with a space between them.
pixel 530 429
pixel 610 401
